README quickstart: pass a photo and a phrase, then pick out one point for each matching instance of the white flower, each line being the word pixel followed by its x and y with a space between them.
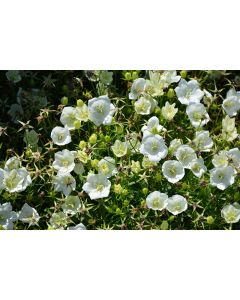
pixel 77 227
pixel 107 167
pixel 222 177
pixel 229 131
pixel 152 127
pixel 185 155
pixel 173 170
pixel 16 180
pixel 177 204
pixel 174 145
pixel 61 136
pixel 197 167
pixel 106 77
pixel 58 220
pixel 234 156
pixel 145 105
pixel 68 117
pixel 157 200
pixel 197 114
pixel 169 77
pixel 119 148
pixel 154 86
pixel 231 213
pixel 7 216
pixel 64 161
pixel 169 111
pixel 137 88
pixel 203 141
pixel 231 104
pixel 189 92
pixel 100 110
pixel 221 159
pixel 64 183
pixel 153 147
pixel 97 186
pixel 79 168
pixel 82 113
pixel 12 163
pixel 208 98
pixel 71 205
pixel 29 215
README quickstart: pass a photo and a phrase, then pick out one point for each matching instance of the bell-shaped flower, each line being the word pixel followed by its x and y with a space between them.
pixel 12 163
pixel 234 157
pixel 189 92
pixel 203 141
pixel 68 117
pixel 119 148
pixel 77 227
pixel 197 167
pixel 64 183
pixel 64 161
pixel 28 215
pixel 157 200
pixel 100 110
pixel 231 104
pixel 221 159
pixel 61 136
pixel 7 216
pixel 137 88
pixel 71 205
pixel 152 127
pixel 185 155
pixel 58 220
pixel 97 186
pixel 197 114
pixel 16 180
pixel 173 170
pixel 231 213
pixel 177 204
pixel 174 145
pixel 145 105
pixel 169 111
pixel 153 147
pixel 107 167
pixel 222 177
pixel 168 77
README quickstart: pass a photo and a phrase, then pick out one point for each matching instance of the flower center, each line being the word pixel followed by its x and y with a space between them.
pixel 155 202
pixel 100 187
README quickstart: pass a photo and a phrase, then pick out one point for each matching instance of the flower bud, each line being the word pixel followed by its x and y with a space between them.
pixel 171 93
pixel 77 124
pixel 183 74
pixel 210 220
pixel 94 163
pixel 64 100
pixel 82 144
pixel 145 191
pixel 93 138
pixel 127 76
pixel 80 103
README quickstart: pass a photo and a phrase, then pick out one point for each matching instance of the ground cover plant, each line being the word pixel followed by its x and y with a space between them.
pixel 119 150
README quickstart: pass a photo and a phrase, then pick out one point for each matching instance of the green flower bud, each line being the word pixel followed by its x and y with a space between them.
pixel 164 225
pixel 158 177
pixel 171 93
pixel 94 163
pixel 93 138
pixel 77 124
pixel 64 100
pixel 157 111
pixel 145 191
pixel 127 76
pixel 171 218
pixel 118 189
pixel 125 203
pixel 183 74
pixel 210 220
pixel 134 75
pixel 107 138
pixel 118 211
pixel 82 145
pixel 119 129
pixel 79 103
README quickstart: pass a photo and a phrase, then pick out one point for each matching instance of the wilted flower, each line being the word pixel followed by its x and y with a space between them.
pixel 61 136
pixel 71 205
pixel 68 117
pixel 7 216
pixel 231 104
pixel 189 92
pixel 119 148
pixel 222 177
pixel 137 88
pixel 64 183
pixel 152 127
pixel 77 227
pixel 153 147
pixel 107 167
pixel 100 110
pixel 185 154
pixel 173 170
pixel 177 204
pixel 29 215
pixel 197 167
pixel 231 213
pixel 64 161
pixel 157 200
pixel 97 186
pixel 169 111
pixel 197 114
pixel 203 141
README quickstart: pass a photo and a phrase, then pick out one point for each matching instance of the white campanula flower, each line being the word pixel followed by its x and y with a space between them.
pixel 77 227
pixel 107 167
pixel 177 204
pixel 222 177
pixel 169 111
pixel 7 216
pixel 58 220
pixel 221 159
pixel 231 213
pixel 234 157
pixel 101 110
pixel 153 147
pixel 97 186
pixel 185 155
pixel 64 161
pixel 231 104
pixel 61 136
pixel 197 167
pixel 173 170
pixel 12 163
pixel 152 127
pixel 79 168
pixel 154 86
pixel 68 117
pixel 82 113
pixel 208 98
pixel 64 183
pixel 71 205
pixel 106 77
pixel 157 200
pixel 16 180
pixel 174 145
pixel 229 131
pixel 168 77
pixel 137 88
pixel 119 148
pixel 203 141
pixel 145 105
pixel 197 114
pixel 189 92
pixel 28 215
